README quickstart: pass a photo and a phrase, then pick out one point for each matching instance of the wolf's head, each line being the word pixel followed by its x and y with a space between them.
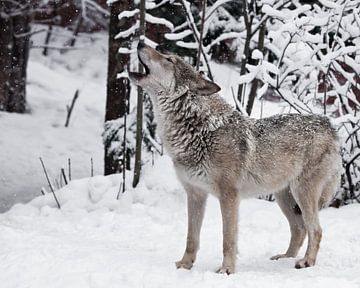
pixel 169 74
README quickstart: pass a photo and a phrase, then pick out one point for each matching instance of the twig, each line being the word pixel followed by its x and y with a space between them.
pixel 140 101
pixel 76 31
pixel 71 107
pixel 47 40
pixel 236 103
pixel 119 191
pixel 201 35
pixel 92 167
pixel 122 185
pixel 64 176
pixel 51 188
pixel 50 29
pixel 195 33
pixel 69 168
pixel 29 34
pixel 55 47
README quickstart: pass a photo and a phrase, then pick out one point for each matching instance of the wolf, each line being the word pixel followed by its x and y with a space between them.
pixel 215 149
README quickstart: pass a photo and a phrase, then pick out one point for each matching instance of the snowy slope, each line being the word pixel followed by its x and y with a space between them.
pixel 97 241
pixel 52 82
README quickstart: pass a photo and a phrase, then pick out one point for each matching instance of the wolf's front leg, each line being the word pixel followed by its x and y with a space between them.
pixel 229 203
pixel 196 208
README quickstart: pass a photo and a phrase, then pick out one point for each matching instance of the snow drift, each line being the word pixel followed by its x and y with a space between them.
pixel 95 240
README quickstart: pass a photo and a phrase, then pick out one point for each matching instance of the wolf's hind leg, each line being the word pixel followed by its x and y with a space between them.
pixel 329 190
pixel 292 212
pixel 196 209
pixel 307 194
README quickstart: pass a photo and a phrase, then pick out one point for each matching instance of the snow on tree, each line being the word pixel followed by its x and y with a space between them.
pixel 229 26
pixel 128 37
pixel 311 60
pixel 305 53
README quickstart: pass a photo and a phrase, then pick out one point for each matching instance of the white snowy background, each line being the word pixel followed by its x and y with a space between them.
pixel 95 240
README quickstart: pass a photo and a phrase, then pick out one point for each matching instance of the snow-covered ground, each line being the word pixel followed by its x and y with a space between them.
pixel 52 82
pixel 98 241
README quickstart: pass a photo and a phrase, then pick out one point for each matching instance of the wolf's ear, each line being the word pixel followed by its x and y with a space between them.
pixel 205 87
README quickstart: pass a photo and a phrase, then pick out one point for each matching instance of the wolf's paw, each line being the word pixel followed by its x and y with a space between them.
pixel 304 263
pixel 184 264
pixel 226 270
pixel 279 256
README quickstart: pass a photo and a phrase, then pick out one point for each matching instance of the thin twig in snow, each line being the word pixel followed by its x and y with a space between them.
pixel 69 168
pixel 51 188
pixel 92 167
pixel 119 191
pixel 64 176
pixel 71 107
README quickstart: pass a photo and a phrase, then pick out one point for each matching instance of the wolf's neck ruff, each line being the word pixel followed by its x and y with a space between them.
pixel 187 122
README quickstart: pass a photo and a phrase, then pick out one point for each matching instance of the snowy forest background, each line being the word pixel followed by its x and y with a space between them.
pixel 302 56
pixel 88 197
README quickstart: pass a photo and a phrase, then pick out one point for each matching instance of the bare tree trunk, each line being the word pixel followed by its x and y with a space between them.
pixel 20 56
pixel 246 53
pixel 118 89
pixel 201 35
pixel 256 82
pixel 6 32
pixel 139 115
pixel 14 51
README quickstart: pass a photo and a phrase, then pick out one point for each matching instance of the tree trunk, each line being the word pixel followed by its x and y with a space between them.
pixel 246 54
pixel 6 32
pixel 20 56
pixel 118 89
pixel 256 82
pixel 140 100
pixel 14 52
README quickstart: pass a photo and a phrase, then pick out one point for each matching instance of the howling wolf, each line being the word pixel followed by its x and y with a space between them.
pixel 217 150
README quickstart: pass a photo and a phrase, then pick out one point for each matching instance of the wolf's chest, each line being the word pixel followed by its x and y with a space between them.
pixel 196 177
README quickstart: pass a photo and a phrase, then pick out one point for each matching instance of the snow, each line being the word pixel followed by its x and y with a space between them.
pixel 178 36
pixel 156 20
pixel 188 45
pixel 95 240
pixel 98 241
pixel 222 37
pixel 128 14
pixel 126 33
pixel 257 54
pixel 215 6
pixel 52 82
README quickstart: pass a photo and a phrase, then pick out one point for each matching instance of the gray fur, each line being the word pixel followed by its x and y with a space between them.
pixel 217 150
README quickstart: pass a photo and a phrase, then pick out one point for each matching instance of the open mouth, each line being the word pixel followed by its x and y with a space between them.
pixel 138 76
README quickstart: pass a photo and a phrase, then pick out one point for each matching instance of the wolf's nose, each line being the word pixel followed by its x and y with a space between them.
pixel 141 45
